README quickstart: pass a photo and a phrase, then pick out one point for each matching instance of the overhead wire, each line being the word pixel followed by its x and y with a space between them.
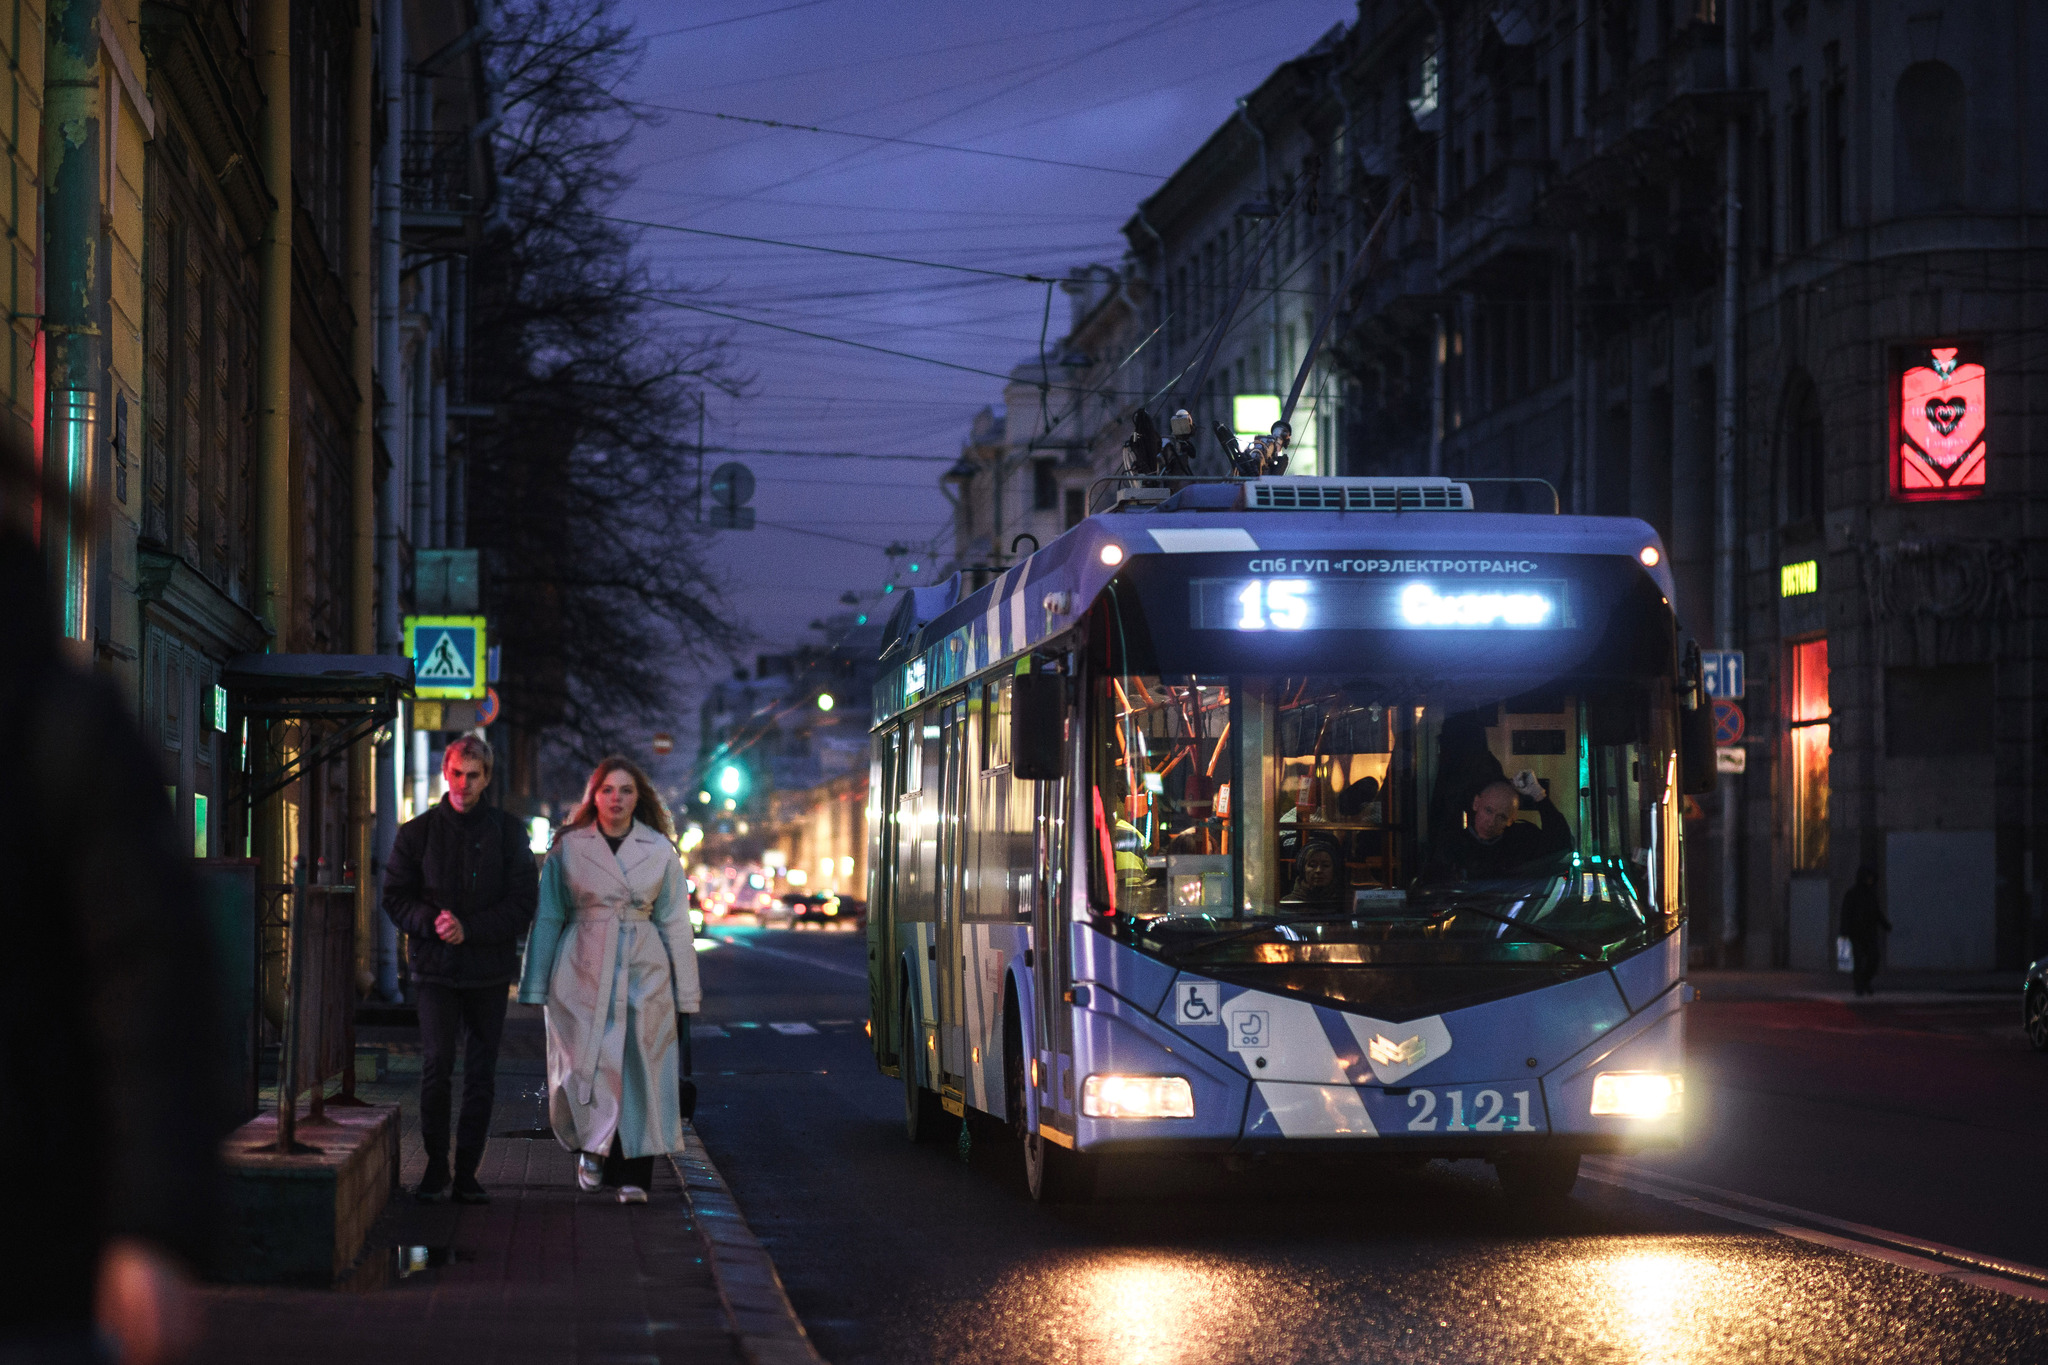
pixel 899 141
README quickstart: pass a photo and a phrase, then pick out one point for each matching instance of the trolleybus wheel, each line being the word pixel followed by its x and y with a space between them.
pixel 1538 1177
pixel 1052 1174
pixel 2037 1019
pixel 923 1115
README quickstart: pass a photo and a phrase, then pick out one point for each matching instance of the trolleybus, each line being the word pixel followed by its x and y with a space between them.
pixel 1280 814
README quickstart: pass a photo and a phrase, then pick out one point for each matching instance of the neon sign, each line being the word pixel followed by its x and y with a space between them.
pixel 1938 446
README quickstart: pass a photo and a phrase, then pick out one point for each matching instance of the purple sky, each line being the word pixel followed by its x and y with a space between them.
pixel 1112 83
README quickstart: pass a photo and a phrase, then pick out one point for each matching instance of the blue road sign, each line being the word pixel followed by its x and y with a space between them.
pixel 448 654
pixel 1723 673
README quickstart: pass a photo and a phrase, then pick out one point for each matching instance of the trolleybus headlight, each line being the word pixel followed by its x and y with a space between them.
pixel 1137 1097
pixel 1637 1094
pixel 1112 554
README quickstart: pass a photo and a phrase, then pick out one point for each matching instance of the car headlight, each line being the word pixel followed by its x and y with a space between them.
pixel 1137 1097
pixel 1638 1094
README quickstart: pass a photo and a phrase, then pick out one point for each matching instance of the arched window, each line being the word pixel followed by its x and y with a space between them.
pixel 1802 463
pixel 1927 142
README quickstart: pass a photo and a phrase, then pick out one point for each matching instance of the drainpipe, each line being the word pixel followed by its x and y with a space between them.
pixel 272 25
pixel 457 385
pixel 390 639
pixel 1244 115
pixel 437 398
pixel 75 357
pixel 1725 632
pixel 363 467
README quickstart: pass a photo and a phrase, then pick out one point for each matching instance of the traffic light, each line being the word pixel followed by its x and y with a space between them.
pixel 731 780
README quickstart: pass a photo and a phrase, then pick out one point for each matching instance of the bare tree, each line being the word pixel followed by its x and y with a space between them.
pixel 581 492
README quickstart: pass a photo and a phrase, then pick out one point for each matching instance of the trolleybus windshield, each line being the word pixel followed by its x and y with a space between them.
pixel 1316 823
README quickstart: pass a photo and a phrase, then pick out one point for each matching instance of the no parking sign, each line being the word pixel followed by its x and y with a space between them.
pixel 1728 722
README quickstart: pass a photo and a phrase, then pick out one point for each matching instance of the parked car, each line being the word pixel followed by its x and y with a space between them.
pixel 2034 1005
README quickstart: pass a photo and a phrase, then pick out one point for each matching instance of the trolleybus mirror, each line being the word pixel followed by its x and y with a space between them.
pixel 1038 727
pixel 1695 725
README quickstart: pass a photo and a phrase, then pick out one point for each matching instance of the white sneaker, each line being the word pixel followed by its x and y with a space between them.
pixel 589 1172
pixel 632 1194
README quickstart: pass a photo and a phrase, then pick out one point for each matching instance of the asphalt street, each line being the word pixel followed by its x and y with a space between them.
pixel 1854 1177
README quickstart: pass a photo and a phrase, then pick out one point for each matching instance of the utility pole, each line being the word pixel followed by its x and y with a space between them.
pixel 1725 626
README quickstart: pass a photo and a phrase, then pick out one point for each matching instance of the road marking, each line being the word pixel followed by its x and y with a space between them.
pixel 792 1030
pixel 1968 1267
pixel 753 947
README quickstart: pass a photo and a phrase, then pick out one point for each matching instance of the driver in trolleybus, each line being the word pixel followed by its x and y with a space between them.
pixel 1492 843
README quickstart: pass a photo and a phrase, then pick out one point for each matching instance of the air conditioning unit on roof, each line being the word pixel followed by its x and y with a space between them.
pixel 1294 493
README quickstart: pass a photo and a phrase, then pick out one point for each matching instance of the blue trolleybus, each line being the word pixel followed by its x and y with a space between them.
pixel 1291 814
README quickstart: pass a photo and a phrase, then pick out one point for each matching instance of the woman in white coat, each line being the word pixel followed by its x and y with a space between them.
pixel 610 957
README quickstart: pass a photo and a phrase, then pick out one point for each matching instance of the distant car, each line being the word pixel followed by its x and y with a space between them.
pixel 2034 1005
pixel 815 909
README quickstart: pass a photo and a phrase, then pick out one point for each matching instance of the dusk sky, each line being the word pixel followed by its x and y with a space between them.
pixel 1124 85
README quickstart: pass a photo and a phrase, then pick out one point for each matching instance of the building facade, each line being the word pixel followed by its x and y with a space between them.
pixel 197 288
pixel 1761 275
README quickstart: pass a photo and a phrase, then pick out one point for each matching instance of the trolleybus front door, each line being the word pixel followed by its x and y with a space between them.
pixel 951 794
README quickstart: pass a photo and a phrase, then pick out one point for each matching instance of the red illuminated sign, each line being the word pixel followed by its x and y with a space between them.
pixel 1938 426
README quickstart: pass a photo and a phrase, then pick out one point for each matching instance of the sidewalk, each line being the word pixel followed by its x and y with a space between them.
pixel 1892 987
pixel 542 1274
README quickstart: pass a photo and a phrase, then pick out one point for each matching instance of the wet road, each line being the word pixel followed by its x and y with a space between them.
pixel 1904 1126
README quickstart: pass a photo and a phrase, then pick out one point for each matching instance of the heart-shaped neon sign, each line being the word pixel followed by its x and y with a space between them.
pixel 1946 414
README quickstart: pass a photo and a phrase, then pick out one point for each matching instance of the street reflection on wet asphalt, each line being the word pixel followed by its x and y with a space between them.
pixel 895 1252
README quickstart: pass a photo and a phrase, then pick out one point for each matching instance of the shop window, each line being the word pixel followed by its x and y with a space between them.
pixel 1806 696
pixel 1938 444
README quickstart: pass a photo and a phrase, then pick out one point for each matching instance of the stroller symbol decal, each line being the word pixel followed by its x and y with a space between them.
pixel 1248 1030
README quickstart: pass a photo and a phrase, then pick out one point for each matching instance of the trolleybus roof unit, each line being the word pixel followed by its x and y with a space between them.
pixel 936 637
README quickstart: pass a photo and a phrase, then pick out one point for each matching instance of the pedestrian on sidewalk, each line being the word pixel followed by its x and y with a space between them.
pixel 461 884
pixel 611 958
pixel 1862 919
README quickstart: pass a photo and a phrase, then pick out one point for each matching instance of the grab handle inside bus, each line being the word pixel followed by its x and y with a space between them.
pixel 1038 727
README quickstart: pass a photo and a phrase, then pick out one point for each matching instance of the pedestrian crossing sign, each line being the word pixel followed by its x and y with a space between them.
pixel 447 654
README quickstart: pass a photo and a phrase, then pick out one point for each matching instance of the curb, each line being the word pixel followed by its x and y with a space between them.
pixel 768 1329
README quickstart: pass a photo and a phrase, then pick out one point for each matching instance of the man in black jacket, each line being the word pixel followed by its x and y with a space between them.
pixel 1494 844
pixel 461 884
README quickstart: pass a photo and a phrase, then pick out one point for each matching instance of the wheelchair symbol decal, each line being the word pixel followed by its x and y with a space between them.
pixel 1196 1002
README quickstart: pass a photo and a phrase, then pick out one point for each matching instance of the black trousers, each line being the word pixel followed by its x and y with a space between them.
pixel 477 1014
pixel 620 1169
pixel 1864 954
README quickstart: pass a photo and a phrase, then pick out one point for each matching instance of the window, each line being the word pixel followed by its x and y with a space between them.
pixel 995 728
pixel 1798 170
pixel 1834 148
pixel 1806 696
pixel 1077 507
pixel 1801 461
pixel 1045 485
pixel 1764 221
pixel 1927 140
